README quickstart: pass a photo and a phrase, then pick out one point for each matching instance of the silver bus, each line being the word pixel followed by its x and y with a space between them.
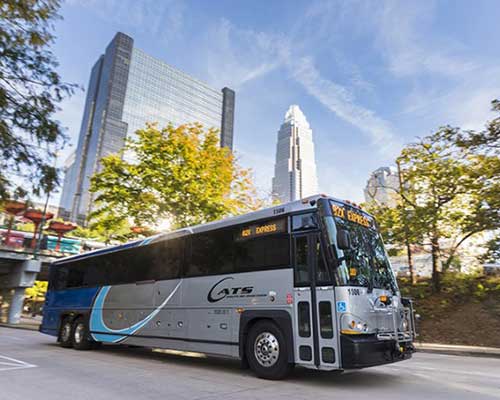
pixel 305 283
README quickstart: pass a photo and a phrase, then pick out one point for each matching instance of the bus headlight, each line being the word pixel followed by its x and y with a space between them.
pixel 352 325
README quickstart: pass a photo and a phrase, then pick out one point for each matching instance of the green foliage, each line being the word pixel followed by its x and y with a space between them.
pixel 180 174
pixel 39 289
pixel 24 227
pixel 492 254
pixel 451 182
pixel 457 289
pixel 30 89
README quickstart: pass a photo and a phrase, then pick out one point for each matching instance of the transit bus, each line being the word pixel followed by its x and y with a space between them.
pixel 304 283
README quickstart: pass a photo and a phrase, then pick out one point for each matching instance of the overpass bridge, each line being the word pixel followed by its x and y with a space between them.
pixel 19 268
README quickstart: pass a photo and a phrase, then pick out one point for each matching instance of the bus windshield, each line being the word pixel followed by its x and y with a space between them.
pixel 365 263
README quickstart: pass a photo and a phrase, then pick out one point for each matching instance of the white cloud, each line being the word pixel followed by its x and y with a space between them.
pixel 340 100
pixel 238 56
pixel 233 57
pixel 160 19
pixel 402 34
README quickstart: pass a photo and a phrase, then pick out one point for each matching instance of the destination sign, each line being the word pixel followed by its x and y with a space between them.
pixel 357 216
pixel 262 229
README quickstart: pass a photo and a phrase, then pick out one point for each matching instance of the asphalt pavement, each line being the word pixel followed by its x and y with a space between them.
pixel 32 365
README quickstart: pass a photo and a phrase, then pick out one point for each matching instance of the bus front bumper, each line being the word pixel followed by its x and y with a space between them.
pixel 360 351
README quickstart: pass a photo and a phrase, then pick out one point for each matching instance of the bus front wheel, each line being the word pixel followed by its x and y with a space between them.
pixel 267 352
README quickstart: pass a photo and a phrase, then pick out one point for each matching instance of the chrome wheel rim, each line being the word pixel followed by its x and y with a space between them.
pixel 79 332
pixel 66 332
pixel 266 349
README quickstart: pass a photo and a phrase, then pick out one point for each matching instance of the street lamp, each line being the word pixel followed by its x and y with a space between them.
pixel 38 218
pixel 13 208
pixel 61 228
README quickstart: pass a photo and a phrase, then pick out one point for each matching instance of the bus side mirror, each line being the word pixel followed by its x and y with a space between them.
pixel 343 239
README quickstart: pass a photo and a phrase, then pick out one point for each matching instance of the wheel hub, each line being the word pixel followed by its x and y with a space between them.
pixel 266 349
pixel 79 331
pixel 66 332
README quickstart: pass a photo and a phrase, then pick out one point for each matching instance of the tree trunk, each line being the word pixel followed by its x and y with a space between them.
pixel 436 284
pixel 413 276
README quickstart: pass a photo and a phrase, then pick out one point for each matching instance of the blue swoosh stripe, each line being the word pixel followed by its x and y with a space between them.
pixel 97 321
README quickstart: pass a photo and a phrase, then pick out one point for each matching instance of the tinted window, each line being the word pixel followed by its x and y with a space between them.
pixel 304 222
pixel 76 276
pixel 266 252
pixel 60 277
pixel 301 261
pixel 322 271
pixel 325 319
pixel 211 253
pixel 304 319
pixel 157 261
pixel 224 252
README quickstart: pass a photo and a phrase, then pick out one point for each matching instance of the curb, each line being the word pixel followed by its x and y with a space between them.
pixel 456 350
pixel 26 327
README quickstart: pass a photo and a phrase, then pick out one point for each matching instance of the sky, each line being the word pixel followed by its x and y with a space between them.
pixel 370 76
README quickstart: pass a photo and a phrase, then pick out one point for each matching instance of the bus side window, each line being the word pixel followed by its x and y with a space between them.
pixel 212 253
pixel 301 261
pixel 322 272
pixel 61 276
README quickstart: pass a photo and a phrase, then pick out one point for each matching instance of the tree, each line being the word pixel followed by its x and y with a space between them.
pixel 30 90
pixel 486 141
pixel 449 192
pixel 454 191
pixel 176 173
pixel 492 254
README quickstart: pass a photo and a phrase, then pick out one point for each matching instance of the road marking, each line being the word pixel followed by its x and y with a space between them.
pixel 9 364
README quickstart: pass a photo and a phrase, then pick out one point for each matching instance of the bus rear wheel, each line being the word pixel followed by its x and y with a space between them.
pixel 65 339
pixel 267 352
pixel 81 336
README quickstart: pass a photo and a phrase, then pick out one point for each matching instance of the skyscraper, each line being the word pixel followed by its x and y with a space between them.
pixel 128 88
pixel 382 186
pixel 295 168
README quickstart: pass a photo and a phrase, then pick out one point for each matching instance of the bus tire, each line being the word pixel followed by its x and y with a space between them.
pixel 81 335
pixel 267 352
pixel 65 333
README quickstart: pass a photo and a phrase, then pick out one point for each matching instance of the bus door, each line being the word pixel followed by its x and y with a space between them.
pixel 316 341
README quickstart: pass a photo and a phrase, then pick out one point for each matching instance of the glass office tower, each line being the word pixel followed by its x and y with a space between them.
pixel 128 88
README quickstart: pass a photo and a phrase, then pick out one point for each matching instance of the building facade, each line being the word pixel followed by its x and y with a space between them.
pixel 295 169
pixel 382 186
pixel 69 177
pixel 128 88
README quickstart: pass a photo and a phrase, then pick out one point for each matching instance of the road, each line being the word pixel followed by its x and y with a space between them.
pixel 32 365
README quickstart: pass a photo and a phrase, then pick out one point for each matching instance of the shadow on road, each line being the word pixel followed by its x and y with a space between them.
pixel 368 378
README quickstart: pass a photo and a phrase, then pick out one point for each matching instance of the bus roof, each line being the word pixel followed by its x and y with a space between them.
pixel 307 203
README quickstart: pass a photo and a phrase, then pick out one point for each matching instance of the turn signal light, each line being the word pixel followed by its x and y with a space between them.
pixel 383 299
pixel 350 332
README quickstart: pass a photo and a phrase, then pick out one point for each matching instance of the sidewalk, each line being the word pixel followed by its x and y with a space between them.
pixel 31 327
pixel 30 323
pixel 457 350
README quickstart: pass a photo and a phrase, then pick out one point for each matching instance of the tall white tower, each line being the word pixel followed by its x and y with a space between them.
pixel 295 168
